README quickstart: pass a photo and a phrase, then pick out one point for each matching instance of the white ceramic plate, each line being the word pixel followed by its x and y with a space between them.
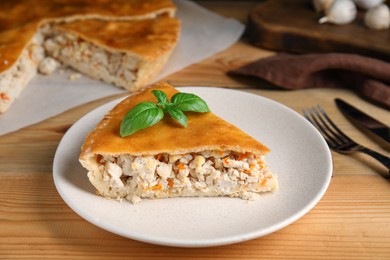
pixel 300 158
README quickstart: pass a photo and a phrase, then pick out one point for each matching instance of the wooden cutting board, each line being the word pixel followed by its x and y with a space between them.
pixel 292 26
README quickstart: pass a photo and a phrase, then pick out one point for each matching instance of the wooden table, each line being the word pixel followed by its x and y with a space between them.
pixel 351 221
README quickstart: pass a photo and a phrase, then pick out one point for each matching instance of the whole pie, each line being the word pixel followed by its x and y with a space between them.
pixel 122 42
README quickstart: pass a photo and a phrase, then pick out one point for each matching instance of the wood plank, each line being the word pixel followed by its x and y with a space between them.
pixel 350 221
pixel 292 26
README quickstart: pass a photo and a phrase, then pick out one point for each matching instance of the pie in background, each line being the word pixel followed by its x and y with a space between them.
pixel 123 42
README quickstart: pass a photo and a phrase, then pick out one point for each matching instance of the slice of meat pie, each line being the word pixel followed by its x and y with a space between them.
pixel 210 157
pixel 99 25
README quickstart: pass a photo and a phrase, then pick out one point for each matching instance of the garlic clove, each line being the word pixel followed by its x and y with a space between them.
pixel 340 12
pixel 378 18
pixel 368 4
pixel 322 5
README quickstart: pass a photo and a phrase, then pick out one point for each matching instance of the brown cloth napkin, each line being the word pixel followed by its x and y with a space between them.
pixel 368 76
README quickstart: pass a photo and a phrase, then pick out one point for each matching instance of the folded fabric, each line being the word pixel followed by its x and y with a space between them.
pixel 368 76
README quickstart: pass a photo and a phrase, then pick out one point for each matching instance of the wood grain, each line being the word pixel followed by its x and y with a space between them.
pixel 350 222
pixel 292 26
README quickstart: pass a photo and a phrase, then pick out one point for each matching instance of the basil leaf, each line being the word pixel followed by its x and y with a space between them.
pixel 161 97
pixel 189 102
pixel 146 114
pixel 178 115
pixel 143 115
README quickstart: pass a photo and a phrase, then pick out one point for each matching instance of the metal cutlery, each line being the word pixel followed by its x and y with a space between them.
pixel 360 118
pixel 336 139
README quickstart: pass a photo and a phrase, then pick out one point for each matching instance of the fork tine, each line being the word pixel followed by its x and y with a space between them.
pixel 308 118
pixel 309 115
pixel 326 128
pixel 341 133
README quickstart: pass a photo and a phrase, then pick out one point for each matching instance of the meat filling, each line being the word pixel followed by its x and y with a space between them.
pixel 209 173
pixel 14 80
pixel 119 69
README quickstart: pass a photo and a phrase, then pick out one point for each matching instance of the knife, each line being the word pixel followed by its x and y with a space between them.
pixel 364 120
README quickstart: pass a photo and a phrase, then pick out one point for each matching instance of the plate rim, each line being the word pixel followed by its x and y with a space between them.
pixel 191 243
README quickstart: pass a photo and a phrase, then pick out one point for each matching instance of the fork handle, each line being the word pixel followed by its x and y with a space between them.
pixel 379 157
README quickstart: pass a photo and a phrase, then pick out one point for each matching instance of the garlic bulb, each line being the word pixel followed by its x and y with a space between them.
pixel 378 18
pixel 340 12
pixel 321 5
pixel 367 4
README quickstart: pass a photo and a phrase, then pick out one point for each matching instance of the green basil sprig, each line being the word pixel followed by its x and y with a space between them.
pixel 146 114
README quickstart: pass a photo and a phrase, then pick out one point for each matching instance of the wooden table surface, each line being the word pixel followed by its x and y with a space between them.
pixel 352 220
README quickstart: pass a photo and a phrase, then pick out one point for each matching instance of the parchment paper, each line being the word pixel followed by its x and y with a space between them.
pixel 203 34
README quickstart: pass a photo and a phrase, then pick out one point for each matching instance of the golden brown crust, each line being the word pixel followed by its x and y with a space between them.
pixel 150 38
pixel 19 20
pixel 12 43
pixel 205 131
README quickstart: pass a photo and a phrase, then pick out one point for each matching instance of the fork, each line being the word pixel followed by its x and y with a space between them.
pixel 336 139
